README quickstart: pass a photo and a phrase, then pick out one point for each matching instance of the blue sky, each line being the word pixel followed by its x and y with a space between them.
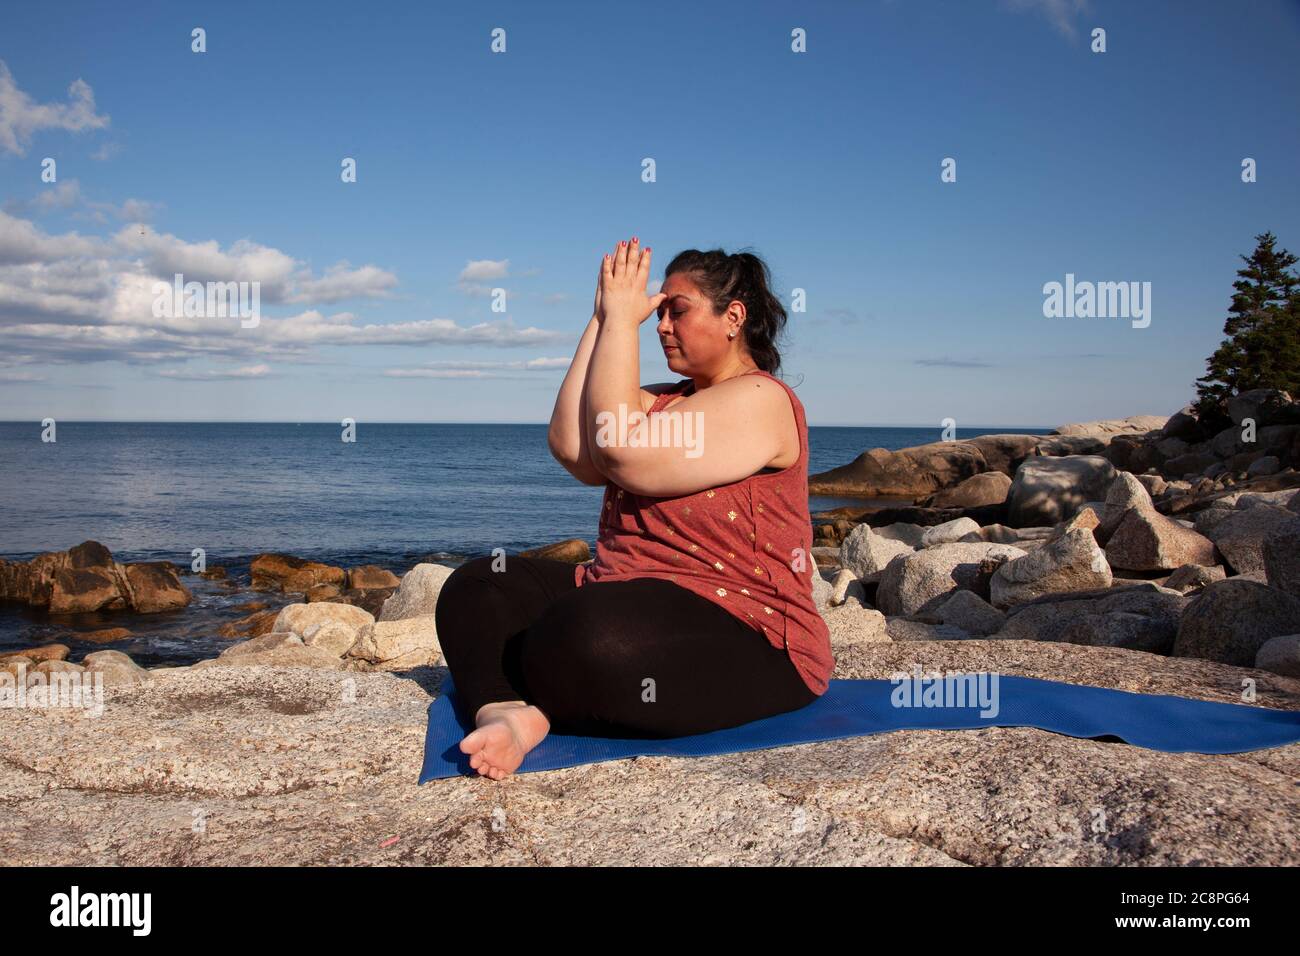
pixel 519 170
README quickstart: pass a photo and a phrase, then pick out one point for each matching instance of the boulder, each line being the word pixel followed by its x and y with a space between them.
pixel 417 595
pixel 389 640
pixel 988 488
pixel 1004 453
pixel 1005 534
pixel 155 586
pixel 915 582
pixel 82 590
pixel 117 668
pixel 1136 617
pixel 322 592
pixel 1240 536
pixel 1108 429
pixel 1231 620
pixel 1050 490
pixel 368 599
pixel 284 572
pixel 299 618
pixel 971 613
pixel 254 625
pixel 1063 446
pixel 1087 518
pixel 846 586
pixel 1281 655
pixel 853 627
pixel 1265 406
pixel 906 473
pixel 1148 541
pixel 865 552
pixel 1072 562
pixel 260 645
pixel 949 532
pixel 1281 554
pixel 1191 578
pixel 904 629
pixel 1265 465
pixel 42 652
pixel 373 576
pixel 1123 495
pixel 332 636
pixel 1184 423
pixel 909 534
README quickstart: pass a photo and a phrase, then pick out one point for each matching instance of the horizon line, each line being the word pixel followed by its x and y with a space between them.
pixel 336 424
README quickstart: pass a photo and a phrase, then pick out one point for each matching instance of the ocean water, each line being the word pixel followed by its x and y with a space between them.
pixel 397 495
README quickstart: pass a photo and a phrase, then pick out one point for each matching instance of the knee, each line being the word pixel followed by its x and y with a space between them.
pixel 461 585
pixel 576 637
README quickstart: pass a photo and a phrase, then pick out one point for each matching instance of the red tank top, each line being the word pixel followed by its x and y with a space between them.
pixel 745 546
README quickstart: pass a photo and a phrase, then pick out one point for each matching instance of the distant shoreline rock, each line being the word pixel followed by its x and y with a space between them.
pixel 86 578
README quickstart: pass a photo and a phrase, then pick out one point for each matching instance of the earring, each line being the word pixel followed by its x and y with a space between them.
pixel 731 335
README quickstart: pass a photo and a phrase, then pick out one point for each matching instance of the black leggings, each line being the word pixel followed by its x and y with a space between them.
pixel 639 658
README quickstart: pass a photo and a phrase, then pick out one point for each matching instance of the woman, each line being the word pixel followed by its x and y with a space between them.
pixel 697 612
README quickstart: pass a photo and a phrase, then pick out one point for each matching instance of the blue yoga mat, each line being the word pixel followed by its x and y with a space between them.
pixel 853 708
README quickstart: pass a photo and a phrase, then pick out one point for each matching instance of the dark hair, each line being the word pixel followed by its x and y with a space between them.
pixel 724 278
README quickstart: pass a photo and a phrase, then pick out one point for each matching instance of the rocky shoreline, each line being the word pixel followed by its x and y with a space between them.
pixel 1151 555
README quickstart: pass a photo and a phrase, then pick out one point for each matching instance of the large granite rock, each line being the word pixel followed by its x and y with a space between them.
pixel 906 473
pixel 866 552
pixel 1231 620
pixel 988 488
pixel 1241 536
pixel 155 587
pixel 203 768
pixel 86 579
pixel 1109 428
pixel 418 593
pixel 1047 491
pixel 916 582
pixel 1072 562
pixel 284 572
pixel 1137 617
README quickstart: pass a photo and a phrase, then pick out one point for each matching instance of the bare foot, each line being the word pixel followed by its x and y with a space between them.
pixel 506 731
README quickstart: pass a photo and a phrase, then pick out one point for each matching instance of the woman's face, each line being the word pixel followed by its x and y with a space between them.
pixel 692 335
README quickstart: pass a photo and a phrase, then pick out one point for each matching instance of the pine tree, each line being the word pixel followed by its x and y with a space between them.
pixel 1262 348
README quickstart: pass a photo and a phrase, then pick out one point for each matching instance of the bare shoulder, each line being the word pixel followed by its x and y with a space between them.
pixel 770 405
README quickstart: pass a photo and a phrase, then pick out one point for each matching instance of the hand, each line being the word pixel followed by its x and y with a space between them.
pixel 623 278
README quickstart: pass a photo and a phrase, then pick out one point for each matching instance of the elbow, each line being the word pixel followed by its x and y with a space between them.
pixel 561 450
pixel 627 474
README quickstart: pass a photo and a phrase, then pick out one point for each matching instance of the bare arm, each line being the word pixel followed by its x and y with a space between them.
pixel 567 437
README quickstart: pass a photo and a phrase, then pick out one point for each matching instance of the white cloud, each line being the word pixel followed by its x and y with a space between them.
pixel 472 369
pixel 21 116
pixel 484 269
pixel 67 195
pixel 72 298
pixel 343 282
pixel 215 375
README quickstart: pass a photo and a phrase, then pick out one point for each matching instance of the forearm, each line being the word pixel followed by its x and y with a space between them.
pixel 567 434
pixel 613 381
